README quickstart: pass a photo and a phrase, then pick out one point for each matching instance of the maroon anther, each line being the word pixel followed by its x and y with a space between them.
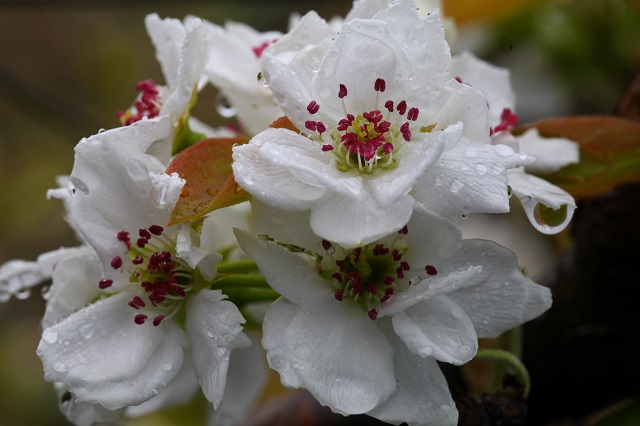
pixel 123 236
pixel 138 260
pixel 140 319
pixel 104 283
pixel 327 147
pixel 404 230
pixel 413 114
pixel 142 242
pixel 311 125
pixel 399 272
pixel 402 107
pixel 373 314
pixel 380 85
pixel 144 233
pixel 116 262
pixel 388 280
pixel 313 107
pixel 396 255
pixel 405 265
pixel 343 91
pixel 321 127
pixel 326 245
pixel 430 270
pixel 389 105
pixel 337 276
pixel 157 320
pixel 156 229
pixel 339 294
pixel 138 301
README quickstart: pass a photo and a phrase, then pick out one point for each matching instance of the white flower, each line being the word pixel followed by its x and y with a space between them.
pixel 119 320
pixel 383 125
pixel 537 195
pixel 362 328
pixel 234 66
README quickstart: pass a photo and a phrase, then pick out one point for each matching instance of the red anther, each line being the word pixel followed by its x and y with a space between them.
pixel 404 127
pixel 431 270
pixel 157 320
pixel 116 262
pixel 140 319
pixel 459 80
pixel 156 230
pixel 339 294
pixel 380 85
pixel 406 136
pixel 413 114
pixel 396 255
pixel 133 305
pixel 327 147
pixel 123 236
pixel 340 264
pixel 138 301
pixel 371 289
pixel 104 283
pixel 343 124
pixel 382 127
pixel 405 265
pixel 311 125
pixel 404 230
pixel 321 127
pixel 389 105
pixel 402 107
pixel 313 107
pixel 373 314
pixel 387 147
pixel 326 245
pixel 399 272
pixel 138 260
pixel 337 276
pixel 343 91
pixel 258 50
pixel 144 233
pixel 142 242
pixel 388 280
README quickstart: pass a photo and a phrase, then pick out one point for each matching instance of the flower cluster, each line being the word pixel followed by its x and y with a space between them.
pixel 386 143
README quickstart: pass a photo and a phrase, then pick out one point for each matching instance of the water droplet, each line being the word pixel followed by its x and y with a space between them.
pixel 545 219
pixel 262 80
pixel 86 330
pixel 60 367
pixel 78 185
pixel 167 367
pixel 471 152
pixel 315 65
pixel 503 150
pixel 212 191
pixel 101 130
pixel 426 351
pixel 23 293
pixel 456 186
pixel 49 335
pixel 224 107
pixel 481 169
pixel 301 350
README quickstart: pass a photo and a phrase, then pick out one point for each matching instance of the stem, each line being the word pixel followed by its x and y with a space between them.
pixel 507 359
pixel 241 281
pixel 237 266
pixel 242 296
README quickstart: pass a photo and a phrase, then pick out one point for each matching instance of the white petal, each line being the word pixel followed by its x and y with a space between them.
pixel 413 159
pixel 533 191
pixel 75 284
pixel 105 358
pixel 83 414
pixel 494 83
pixel 437 328
pixel 19 275
pixel 180 391
pixel 217 228
pixel 167 36
pixel 268 182
pixel 445 282
pixel 196 257
pixel 469 178
pixel 285 227
pixel 551 154
pixel 293 275
pixel 167 189
pixel 214 330
pixel 247 376
pixel 422 397
pixel 352 223
pixel 276 321
pixel 340 355
pixel 501 297
pixel 431 239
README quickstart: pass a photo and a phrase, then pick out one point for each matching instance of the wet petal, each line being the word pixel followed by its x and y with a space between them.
pixel 551 154
pixel 214 330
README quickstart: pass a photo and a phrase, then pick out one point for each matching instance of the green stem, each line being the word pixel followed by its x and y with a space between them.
pixel 237 266
pixel 241 281
pixel 242 296
pixel 509 360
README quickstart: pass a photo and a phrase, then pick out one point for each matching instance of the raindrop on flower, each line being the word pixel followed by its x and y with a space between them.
pixel 49 335
pixel 224 107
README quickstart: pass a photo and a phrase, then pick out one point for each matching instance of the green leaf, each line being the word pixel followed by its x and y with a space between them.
pixel 206 166
pixel 609 152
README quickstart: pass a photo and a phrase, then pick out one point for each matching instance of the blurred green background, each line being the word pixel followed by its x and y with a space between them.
pixel 66 68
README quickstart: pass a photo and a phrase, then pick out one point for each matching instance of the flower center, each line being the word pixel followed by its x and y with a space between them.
pixel 160 280
pixel 507 121
pixel 147 104
pixel 371 274
pixel 368 140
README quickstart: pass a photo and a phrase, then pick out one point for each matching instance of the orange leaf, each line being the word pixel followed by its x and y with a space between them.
pixel 206 166
pixel 609 152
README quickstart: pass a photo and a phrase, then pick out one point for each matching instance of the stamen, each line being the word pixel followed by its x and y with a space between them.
pixel 116 262
pixel 402 107
pixel 140 319
pixel 431 270
pixel 104 283
pixel 373 314
pixel 343 91
pixel 157 320
pixel 389 105
pixel 313 107
pixel 380 85
pixel 156 230
pixel 311 125
pixel 413 114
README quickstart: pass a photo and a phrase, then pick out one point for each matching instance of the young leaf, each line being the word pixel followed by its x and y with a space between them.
pixel 206 166
pixel 609 152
